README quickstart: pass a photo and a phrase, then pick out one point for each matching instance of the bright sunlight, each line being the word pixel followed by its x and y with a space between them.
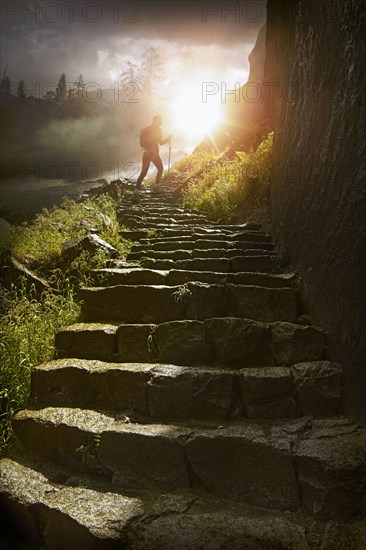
pixel 191 117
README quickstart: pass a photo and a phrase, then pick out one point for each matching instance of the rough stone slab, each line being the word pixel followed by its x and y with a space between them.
pixel 182 342
pixel 331 465
pixel 225 340
pixel 296 343
pixel 133 343
pixel 280 464
pixel 263 304
pixel 202 264
pixel 182 392
pixel 186 254
pixel 83 383
pixel 200 526
pixel 134 235
pixel 204 300
pixel 57 433
pixel 240 342
pixel 87 341
pixel 267 392
pixel 196 233
pixel 247 464
pixel 200 244
pixel 171 391
pixel 253 263
pixel 318 387
pixel 134 276
pixel 145 457
pixel 159 255
pixel 90 243
pixel 70 516
pixel 132 303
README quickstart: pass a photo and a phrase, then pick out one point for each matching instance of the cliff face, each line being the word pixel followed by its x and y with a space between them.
pixel 246 114
pixel 315 63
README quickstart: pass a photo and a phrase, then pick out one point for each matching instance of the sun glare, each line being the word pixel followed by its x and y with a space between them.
pixel 193 118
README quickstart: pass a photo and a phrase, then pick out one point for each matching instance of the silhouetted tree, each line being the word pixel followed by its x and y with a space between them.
pixel 152 71
pixel 5 85
pixel 131 74
pixel 21 90
pixel 79 86
pixel 61 88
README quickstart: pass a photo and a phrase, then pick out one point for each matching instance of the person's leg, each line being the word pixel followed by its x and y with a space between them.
pixel 159 165
pixel 146 159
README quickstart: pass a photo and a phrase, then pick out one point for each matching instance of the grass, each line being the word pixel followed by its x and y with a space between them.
pixel 29 322
pixel 39 244
pixel 234 190
pixel 193 164
pixel 27 329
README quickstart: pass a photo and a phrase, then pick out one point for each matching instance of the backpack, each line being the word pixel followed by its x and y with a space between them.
pixel 145 138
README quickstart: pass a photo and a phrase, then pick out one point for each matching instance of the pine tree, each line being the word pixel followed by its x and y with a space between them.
pixel 79 86
pixel 131 74
pixel 152 72
pixel 21 91
pixel 5 85
pixel 61 88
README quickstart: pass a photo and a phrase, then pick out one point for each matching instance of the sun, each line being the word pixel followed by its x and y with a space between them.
pixel 192 117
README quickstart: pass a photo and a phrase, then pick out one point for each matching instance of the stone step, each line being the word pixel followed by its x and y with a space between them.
pixel 161 222
pixel 201 244
pixel 160 303
pixel 146 235
pixel 318 465
pixel 137 276
pixel 199 233
pixel 157 391
pixel 56 514
pixel 162 217
pixel 81 513
pixel 163 226
pixel 140 210
pixel 197 253
pixel 219 341
pixel 261 263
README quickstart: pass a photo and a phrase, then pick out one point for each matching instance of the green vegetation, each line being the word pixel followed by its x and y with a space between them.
pixel 39 244
pixel 27 328
pixel 28 322
pixel 233 190
pixel 192 165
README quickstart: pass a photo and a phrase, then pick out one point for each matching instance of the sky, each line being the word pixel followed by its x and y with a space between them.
pixel 41 40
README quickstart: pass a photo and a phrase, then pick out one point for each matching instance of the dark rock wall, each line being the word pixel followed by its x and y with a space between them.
pixel 246 115
pixel 316 63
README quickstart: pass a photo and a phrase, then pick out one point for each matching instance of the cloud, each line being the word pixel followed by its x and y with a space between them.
pixel 42 51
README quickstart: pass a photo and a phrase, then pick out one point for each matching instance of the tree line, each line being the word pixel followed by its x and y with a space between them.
pixel 145 75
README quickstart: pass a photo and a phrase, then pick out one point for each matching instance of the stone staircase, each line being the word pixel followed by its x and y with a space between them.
pixel 195 408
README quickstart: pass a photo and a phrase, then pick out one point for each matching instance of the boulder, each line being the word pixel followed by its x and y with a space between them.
pixel 91 243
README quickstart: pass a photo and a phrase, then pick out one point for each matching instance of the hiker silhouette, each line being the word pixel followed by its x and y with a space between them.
pixel 150 139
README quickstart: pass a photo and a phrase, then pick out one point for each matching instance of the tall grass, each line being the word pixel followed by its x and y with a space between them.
pixel 233 190
pixel 27 329
pixel 39 244
pixel 28 322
